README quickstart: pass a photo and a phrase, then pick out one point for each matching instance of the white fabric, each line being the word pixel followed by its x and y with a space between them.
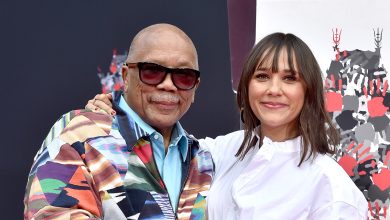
pixel 268 184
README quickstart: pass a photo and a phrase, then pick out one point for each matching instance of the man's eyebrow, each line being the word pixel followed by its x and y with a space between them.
pixel 186 64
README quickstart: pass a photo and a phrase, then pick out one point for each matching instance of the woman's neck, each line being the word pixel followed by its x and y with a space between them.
pixel 279 134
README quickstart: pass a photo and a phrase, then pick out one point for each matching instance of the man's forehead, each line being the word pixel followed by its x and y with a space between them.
pixel 169 57
pixel 164 49
pixel 167 38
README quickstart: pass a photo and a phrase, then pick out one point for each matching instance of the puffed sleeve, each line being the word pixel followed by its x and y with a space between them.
pixel 341 210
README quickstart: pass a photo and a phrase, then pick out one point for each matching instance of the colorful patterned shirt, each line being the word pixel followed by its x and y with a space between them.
pixel 92 166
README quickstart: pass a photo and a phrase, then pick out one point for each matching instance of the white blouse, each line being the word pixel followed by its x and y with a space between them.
pixel 268 184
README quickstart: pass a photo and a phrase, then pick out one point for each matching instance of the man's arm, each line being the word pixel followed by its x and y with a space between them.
pixel 59 184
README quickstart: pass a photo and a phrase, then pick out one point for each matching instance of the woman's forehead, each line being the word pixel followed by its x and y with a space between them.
pixel 277 61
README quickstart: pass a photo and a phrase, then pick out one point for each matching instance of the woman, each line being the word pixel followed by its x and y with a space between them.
pixel 279 166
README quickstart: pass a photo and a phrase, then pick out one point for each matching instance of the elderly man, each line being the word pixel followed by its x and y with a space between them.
pixel 139 165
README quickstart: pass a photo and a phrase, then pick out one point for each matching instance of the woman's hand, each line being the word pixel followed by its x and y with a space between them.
pixel 101 103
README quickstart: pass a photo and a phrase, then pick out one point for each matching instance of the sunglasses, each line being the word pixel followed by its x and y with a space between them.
pixel 154 74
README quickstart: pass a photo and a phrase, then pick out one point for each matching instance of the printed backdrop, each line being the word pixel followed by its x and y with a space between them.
pixel 351 40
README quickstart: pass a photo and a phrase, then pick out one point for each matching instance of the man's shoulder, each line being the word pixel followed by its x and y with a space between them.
pixel 77 125
pixel 83 124
pixel 88 114
pixel 73 126
pixel 77 113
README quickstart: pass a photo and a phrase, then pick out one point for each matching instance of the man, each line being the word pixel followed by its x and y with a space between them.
pixel 139 165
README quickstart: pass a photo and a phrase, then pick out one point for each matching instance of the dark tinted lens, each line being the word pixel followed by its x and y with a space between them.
pixel 184 78
pixel 151 73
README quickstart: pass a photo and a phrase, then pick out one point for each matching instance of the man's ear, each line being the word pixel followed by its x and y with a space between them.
pixel 124 72
pixel 196 87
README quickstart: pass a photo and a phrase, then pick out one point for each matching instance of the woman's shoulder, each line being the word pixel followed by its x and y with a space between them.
pixel 231 141
pixel 330 171
pixel 338 191
pixel 334 180
pixel 235 136
pixel 330 168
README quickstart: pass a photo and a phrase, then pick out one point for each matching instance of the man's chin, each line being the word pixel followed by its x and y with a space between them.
pixel 162 121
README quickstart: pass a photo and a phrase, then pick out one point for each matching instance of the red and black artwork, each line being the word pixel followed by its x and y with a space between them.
pixel 358 100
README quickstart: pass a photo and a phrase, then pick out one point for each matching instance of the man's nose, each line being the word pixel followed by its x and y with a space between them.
pixel 167 83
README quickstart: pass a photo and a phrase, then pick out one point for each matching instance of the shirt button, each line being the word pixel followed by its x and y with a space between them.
pixel 156 136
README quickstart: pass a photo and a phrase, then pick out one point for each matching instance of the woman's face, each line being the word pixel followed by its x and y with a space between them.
pixel 277 98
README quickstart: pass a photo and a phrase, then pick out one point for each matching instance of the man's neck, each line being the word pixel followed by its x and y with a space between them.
pixel 166 133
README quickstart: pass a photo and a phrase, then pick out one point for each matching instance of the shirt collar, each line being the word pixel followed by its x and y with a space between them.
pixel 178 137
pixel 290 145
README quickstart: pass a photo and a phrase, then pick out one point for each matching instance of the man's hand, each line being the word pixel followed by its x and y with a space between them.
pixel 101 103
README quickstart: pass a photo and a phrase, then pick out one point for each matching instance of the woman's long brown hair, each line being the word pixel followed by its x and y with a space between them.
pixel 314 124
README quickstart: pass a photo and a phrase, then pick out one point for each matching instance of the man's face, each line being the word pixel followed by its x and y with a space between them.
pixel 162 105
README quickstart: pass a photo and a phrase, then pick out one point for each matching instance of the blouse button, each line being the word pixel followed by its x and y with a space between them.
pixel 156 136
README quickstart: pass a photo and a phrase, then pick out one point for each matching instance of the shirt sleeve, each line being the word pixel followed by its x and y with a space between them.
pixel 59 184
pixel 340 210
pixel 222 148
pixel 209 144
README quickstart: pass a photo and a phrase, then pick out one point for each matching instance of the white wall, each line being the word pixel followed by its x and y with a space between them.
pixel 313 21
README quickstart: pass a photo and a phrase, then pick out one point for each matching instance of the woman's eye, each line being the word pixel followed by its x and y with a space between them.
pixel 261 76
pixel 290 78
